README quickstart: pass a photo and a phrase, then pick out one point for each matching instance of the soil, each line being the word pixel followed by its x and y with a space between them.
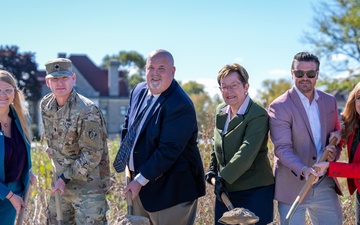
pixel 239 216
pixel 133 220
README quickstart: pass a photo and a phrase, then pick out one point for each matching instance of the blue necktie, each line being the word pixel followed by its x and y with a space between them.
pixel 123 155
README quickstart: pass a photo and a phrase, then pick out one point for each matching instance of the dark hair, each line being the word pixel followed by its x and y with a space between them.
pixel 227 69
pixel 307 57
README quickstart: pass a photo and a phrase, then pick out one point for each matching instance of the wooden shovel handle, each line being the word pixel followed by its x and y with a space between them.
pixel 224 197
pixel 312 178
pixel 128 194
pixel 21 215
pixel 59 213
pixel 307 185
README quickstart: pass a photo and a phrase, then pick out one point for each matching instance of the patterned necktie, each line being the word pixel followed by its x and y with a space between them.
pixel 123 155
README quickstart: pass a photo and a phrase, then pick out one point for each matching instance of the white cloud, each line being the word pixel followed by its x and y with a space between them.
pixel 211 86
pixel 338 57
pixel 238 60
pixel 252 92
pixel 342 75
pixel 133 70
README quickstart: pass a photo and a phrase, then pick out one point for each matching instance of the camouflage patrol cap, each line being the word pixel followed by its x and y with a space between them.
pixel 59 67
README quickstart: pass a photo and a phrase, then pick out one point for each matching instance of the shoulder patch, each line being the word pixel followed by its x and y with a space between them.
pixel 91 133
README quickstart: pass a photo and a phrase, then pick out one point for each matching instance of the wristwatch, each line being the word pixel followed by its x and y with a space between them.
pixel 64 178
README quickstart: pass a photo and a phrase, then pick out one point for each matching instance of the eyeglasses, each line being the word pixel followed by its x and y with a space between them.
pixel 300 73
pixel 7 91
pixel 231 87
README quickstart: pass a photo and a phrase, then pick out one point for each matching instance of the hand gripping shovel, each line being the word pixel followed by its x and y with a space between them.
pixel 59 214
pixel 307 186
pixel 20 218
pixel 235 215
pixel 128 194
pixel 130 218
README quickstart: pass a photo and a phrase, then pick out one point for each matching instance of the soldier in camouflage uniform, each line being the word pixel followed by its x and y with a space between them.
pixel 76 136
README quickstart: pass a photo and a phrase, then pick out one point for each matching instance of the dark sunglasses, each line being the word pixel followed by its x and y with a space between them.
pixel 300 73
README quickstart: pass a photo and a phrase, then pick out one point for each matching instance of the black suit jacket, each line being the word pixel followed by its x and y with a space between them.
pixel 166 151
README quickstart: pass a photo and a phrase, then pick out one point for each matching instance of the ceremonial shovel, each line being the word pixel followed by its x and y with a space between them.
pixel 20 218
pixel 235 215
pixel 130 218
pixel 59 214
pixel 307 186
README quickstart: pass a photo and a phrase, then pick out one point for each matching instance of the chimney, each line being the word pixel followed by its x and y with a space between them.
pixel 61 55
pixel 113 77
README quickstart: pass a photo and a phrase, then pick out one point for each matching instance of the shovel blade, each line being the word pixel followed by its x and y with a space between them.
pixel 239 216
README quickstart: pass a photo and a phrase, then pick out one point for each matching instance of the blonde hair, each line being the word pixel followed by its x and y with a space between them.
pixel 350 116
pixel 18 103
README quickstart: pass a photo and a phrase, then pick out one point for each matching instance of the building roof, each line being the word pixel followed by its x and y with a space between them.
pixel 96 76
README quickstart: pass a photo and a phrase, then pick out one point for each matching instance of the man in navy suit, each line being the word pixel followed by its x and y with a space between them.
pixel 165 163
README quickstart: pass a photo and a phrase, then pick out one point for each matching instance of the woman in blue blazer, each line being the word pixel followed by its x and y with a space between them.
pixel 15 160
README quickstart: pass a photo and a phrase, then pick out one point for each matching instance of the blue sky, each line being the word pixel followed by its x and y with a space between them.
pixel 202 35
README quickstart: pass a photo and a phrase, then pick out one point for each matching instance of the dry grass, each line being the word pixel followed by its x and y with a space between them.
pixel 37 213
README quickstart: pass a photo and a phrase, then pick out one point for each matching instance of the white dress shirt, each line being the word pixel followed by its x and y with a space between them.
pixel 313 114
pixel 141 179
pixel 241 111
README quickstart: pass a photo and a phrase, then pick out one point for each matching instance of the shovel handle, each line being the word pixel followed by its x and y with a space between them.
pixel 20 218
pixel 128 194
pixel 59 213
pixel 224 197
pixel 307 185
pixel 227 201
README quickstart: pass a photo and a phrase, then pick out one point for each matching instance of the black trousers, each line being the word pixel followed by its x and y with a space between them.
pixel 258 200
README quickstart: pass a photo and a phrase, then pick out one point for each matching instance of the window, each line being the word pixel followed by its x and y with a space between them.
pixel 123 109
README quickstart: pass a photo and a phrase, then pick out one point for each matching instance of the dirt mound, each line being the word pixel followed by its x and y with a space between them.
pixel 133 220
pixel 239 216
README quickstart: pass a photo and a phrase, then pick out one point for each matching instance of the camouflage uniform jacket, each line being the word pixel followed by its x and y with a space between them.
pixel 76 137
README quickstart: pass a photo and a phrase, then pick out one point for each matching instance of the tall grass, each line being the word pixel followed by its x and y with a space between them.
pixel 36 212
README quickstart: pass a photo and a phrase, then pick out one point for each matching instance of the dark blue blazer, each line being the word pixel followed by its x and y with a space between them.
pixel 166 151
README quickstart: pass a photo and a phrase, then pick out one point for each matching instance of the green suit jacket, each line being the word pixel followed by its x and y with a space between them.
pixel 240 154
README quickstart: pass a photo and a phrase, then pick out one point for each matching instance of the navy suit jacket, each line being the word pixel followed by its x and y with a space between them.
pixel 166 151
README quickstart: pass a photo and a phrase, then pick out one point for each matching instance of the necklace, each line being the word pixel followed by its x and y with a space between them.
pixel 6 124
pixel 5 121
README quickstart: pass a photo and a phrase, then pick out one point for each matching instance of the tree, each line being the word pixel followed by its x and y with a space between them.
pixel 273 89
pixel 132 63
pixel 192 87
pixel 337 26
pixel 130 59
pixel 134 79
pixel 204 105
pixel 339 85
pixel 23 66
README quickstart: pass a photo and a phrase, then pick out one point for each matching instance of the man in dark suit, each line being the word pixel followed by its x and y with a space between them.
pixel 301 121
pixel 164 160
